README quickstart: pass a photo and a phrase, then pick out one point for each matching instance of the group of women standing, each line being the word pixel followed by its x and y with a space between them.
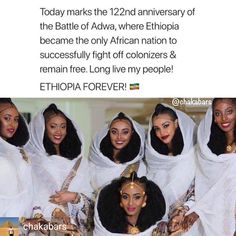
pixel 179 180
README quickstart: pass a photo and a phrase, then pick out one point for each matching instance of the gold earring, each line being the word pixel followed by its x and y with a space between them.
pixel 144 204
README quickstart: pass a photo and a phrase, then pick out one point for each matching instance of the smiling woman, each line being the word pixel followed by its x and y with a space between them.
pixel 129 206
pixel 116 150
pixel 15 175
pixel 60 172
pixel 170 150
pixel 216 177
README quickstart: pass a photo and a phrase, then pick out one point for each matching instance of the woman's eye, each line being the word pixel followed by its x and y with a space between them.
pixel 126 132
pixel 113 132
pixel 124 197
pixel 137 197
pixel 217 113
pixel 6 118
pixel 230 112
pixel 165 126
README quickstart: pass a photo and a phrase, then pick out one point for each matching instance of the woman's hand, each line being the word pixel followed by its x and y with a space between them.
pixel 189 220
pixel 61 215
pixel 34 223
pixel 63 197
pixel 176 219
pixel 161 229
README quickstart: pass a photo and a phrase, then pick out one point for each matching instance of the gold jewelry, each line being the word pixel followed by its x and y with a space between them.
pixel 132 184
pixel 38 216
pixel 22 220
pixel 229 148
pixel 133 229
pixel 144 204
pixel 55 211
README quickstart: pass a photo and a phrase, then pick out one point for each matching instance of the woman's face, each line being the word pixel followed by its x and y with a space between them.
pixel 120 133
pixel 9 121
pixel 224 115
pixel 56 129
pixel 133 199
pixel 164 127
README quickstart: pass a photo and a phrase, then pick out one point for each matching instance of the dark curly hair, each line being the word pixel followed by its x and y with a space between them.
pixel 177 141
pixel 113 216
pixel 129 152
pixel 71 145
pixel 218 142
pixel 21 136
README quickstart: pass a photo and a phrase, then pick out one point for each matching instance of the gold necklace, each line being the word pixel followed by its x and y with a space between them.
pixel 229 148
pixel 133 229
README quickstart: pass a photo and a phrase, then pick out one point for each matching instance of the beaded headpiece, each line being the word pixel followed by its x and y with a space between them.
pixel 132 184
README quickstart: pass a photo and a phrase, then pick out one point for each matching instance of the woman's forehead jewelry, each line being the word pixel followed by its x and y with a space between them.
pixel 132 184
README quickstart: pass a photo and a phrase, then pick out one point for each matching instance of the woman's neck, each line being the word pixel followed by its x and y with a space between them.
pixel 230 137
pixel 132 220
pixel 170 150
pixel 115 155
pixel 57 149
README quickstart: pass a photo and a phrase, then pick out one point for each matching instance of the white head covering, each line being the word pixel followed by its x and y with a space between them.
pixel 215 187
pixel 37 129
pixel 103 169
pixel 173 174
pixel 51 171
pixel 15 180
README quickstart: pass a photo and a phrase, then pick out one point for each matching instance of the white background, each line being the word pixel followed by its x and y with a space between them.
pixel 205 66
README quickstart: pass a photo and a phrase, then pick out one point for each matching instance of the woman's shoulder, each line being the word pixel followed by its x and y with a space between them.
pixel 7 167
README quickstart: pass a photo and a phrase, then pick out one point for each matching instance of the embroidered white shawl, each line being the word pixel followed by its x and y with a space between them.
pixel 51 171
pixel 102 169
pixel 16 188
pixel 215 187
pixel 173 174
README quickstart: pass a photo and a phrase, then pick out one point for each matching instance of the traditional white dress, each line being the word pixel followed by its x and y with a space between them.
pixel 51 171
pixel 102 169
pixel 16 189
pixel 173 174
pixel 215 187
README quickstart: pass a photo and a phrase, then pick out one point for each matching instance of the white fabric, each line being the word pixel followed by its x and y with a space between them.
pixel 102 169
pixel 173 174
pixel 15 182
pixel 51 171
pixel 215 187
pixel 99 230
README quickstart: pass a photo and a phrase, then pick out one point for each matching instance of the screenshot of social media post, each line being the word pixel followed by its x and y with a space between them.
pixel 119 50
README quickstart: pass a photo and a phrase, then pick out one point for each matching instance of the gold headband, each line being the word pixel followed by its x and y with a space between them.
pixel 132 184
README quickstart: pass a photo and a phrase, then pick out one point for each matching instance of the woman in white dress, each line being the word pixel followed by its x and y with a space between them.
pixel 15 175
pixel 215 184
pixel 117 150
pixel 129 206
pixel 170 156
pixel 60 171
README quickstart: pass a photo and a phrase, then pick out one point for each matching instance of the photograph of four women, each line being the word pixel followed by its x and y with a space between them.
pixel 175 178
